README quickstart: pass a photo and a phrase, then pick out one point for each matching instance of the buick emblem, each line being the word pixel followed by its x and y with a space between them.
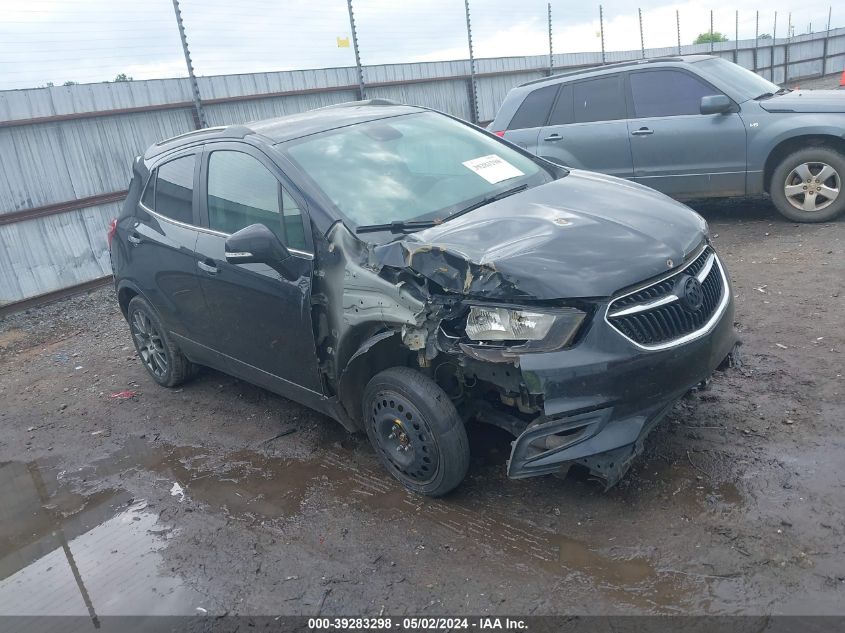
pixel 690 293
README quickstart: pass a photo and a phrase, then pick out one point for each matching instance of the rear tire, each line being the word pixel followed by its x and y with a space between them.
pixel 807 185
pixel 161 357
pixel 416 431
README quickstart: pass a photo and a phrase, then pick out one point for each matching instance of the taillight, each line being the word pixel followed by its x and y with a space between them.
pixel 112 230
pixel 501 133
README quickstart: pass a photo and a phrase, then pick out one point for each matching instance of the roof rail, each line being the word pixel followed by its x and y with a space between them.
pixel 222 131
pixel 365 102
pixel 587 69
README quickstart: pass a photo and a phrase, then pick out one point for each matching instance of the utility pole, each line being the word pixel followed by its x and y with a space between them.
pixel 199 114
pixel 601 34
pixel 551 50
pixel 473 92
pixel 359 70
pixel 678 24
pixel 642 39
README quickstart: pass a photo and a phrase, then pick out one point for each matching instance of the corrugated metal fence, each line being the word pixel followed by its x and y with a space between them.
pixel 65 151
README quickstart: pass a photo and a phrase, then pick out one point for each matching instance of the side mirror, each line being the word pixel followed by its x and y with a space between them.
pixel 256 244
pixel 715 104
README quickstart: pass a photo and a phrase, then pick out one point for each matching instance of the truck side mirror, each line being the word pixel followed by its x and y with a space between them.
pixel 715 104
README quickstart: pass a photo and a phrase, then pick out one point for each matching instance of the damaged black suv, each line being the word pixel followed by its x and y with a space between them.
pixel 402 272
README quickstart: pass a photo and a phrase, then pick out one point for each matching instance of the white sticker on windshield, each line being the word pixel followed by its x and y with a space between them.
pixel 492 168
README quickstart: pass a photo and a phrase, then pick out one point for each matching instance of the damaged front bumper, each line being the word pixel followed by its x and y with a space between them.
pixel 602 398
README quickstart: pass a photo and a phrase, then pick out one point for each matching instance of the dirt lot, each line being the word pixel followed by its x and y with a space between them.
pixel 222 496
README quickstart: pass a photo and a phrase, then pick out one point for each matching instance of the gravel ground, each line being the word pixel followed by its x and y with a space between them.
pixel 222 496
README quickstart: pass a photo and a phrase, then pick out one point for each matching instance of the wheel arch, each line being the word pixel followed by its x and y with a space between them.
pixel 126 291
pixel 793 144
pixel 379 352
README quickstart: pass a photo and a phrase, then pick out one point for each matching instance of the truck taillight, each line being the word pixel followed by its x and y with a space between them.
pixel 112 230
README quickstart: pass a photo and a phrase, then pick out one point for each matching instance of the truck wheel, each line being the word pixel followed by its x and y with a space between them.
pixel 416 431
pixel 807 185
pixel 162 359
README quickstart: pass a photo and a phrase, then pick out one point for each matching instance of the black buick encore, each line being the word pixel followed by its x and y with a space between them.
pixel 402 272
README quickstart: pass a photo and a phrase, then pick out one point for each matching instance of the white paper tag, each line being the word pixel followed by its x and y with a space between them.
pixel 492 168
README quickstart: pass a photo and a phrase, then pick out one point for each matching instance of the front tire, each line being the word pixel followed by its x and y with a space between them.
pixel 161 357
pixel 807 185
pixel 416 431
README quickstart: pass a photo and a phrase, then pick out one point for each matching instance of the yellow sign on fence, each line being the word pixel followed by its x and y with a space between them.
pixel 343 42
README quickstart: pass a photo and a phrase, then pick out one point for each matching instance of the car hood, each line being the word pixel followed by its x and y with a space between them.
pixel 806 101
pixel 585 235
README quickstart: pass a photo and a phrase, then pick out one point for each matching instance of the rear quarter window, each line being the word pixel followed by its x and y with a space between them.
pixel 534 109
pixel 148 198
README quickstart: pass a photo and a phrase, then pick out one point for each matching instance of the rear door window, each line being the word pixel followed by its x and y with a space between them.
pixel 242 192
pixel 598 99
pixel 667 93
pixel 174 189
pixel 534 109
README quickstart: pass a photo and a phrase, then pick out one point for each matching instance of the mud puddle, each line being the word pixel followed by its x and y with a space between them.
pixel 86 553
pixel 260 489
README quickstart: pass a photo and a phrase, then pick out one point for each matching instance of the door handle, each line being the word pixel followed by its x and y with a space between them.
pixel 643 131
pixel 134 239
pixel 210 268
pixel 553 137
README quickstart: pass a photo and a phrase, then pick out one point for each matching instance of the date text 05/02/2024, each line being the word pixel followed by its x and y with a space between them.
pixel 419 624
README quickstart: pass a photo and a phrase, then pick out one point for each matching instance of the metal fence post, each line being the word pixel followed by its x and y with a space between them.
pixel 756 38
pixel 736 39
pixel 642 39
pixel 774 47
pixel 551 50
pixel 356 50
pixel 825 45
pixel 786 49
pixel 601 34
pixel 711 31
pixel 199 114
pixel 473 91
pixel 678 24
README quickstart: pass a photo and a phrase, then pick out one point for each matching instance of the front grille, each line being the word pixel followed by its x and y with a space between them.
pixel 658 315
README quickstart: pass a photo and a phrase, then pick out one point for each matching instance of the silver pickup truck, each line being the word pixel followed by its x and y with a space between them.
pixel 691 126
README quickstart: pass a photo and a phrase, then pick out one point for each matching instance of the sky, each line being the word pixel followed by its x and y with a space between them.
pixel 84 41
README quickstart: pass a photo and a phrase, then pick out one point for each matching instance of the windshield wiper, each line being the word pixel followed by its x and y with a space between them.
pixel 769 95
pixel 398 226
pixel 408 226
pixel 487 200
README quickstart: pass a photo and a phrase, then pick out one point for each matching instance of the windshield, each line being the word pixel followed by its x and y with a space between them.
pixel 411 167
pixel 743 82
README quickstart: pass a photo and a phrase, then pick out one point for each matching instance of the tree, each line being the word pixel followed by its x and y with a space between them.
pixel 708 37
pixel 123 77
pixel 764 36
pixel 70 83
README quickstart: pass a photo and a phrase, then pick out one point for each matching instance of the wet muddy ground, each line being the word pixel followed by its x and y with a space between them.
pixel 220 497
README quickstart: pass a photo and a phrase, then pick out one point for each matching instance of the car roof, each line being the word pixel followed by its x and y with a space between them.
pixel 611 68
pixel 292 126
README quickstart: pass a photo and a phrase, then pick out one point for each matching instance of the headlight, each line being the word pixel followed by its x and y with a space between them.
pixel 488 323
